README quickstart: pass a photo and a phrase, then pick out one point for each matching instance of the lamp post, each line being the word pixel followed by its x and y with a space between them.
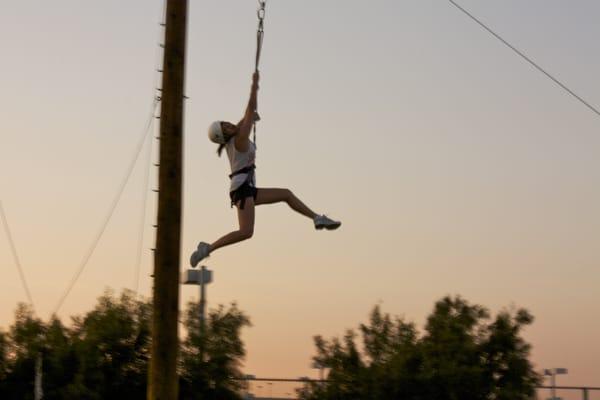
pixel 38 391
pixel 201 277
pixel 552 372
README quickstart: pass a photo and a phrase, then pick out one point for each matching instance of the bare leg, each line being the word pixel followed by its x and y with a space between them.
pixel 270 196
pixel 246 221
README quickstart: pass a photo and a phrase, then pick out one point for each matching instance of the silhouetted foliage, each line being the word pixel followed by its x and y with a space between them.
pixel 461 355
pixel 24 343
pixel 112 347
pixel 211 357
pixel 105 353
pixel 3 361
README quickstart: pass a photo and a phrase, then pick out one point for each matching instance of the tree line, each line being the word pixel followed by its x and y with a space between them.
pixel 462 354
pixel 105 353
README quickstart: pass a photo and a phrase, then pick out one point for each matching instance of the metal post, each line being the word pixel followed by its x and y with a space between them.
pixel 162 382
pixel 38 390
pixel 585 394
pixel 553 385
pixel 200 277
pixel 203 299
pixel 203 275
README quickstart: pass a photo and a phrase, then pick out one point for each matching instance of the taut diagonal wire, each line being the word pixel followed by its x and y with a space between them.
pixel 138 257
pixel 526 58
pixel 113 206
pixel 15 255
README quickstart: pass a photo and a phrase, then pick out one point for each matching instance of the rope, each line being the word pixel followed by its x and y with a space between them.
pixel 526 58
pixel 260 33
pixel 15 255
pixel 112 208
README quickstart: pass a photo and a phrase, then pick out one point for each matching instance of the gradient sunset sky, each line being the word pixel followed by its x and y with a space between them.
pixel 455 166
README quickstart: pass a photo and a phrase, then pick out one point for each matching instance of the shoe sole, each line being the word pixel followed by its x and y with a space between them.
pixel 195 260
pixel 330 227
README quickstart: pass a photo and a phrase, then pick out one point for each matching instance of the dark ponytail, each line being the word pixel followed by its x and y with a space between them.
pixel 220 149
pixel 222 145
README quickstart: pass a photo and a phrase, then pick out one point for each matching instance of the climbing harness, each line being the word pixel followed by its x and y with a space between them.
pixel 246 189
pixel 259 41
pixel 246 170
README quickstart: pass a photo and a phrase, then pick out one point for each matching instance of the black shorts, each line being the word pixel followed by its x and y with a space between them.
pixel 242 193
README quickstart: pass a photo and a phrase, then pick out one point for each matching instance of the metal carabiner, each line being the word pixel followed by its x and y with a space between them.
pixel 261 10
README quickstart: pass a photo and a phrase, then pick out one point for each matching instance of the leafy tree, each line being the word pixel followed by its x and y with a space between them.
pixel 506 357
pixel 60 361
pixel 393 358
pixel 24 344
pixel 459 356
pixel 112 347
pixel 105 353
pixel 451 352
pixel 3 359
pixel 211 355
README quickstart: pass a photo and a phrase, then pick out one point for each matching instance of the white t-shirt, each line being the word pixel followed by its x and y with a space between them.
pixel 239 160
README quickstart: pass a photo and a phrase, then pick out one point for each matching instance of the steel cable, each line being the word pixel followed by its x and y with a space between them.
pixel 112 208
pixel 526 58
pixel 15 255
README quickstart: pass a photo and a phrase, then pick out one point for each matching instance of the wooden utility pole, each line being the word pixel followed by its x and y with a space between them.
pixel 163 380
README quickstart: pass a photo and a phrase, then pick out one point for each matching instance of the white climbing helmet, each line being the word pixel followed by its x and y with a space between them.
pixel 215 133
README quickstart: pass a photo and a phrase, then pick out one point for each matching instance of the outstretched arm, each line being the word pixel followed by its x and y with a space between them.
pixel 247 121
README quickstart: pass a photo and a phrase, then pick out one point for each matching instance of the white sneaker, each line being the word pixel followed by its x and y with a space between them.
pixel 322 221
pixel 199 254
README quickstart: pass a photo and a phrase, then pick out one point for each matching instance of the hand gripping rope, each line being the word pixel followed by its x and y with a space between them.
pixel 259 41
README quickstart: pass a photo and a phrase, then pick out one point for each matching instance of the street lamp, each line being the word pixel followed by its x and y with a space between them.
pixel 201 277
pixel 552 372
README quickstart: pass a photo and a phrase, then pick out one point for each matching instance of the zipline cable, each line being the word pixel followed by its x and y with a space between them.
pixel 526 58
pixel 15 255
pixel 144 136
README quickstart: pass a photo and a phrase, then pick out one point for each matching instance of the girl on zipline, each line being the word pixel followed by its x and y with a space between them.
pixel 244 194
